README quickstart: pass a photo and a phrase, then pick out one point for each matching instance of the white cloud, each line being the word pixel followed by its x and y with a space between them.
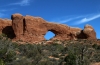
pixel 62 21
pixel 4 10
pixel 76 20
pixel 22 3
pixel 84 20
pixel 65 19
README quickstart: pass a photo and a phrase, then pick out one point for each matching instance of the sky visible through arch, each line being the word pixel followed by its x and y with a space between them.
pixel 75 13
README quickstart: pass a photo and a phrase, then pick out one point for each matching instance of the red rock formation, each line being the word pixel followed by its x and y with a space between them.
pixel 4 23
pixel 17 25
pixel 6 28
pixel 89 32
pixel 61 31
pixel 32 29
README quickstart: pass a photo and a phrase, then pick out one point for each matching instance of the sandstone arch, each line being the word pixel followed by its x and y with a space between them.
pixel 32 29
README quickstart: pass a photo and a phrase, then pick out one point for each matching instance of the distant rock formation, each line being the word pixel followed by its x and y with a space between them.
pixel 33 29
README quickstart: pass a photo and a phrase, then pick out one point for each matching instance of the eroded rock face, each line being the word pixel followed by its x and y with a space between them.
pixel 4 23
pixel 6 28
pixel 89 32
pixel 33 29
pixel 17 25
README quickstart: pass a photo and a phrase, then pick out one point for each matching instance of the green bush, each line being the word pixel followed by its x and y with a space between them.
pixel 67 53
pixel 70 59
pixel 2 62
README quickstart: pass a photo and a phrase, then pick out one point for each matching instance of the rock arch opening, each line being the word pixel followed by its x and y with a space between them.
pixel 49 35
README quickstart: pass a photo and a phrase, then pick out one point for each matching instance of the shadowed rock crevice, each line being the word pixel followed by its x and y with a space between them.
pixel 8 30
pixel 82 35
pixel 24 26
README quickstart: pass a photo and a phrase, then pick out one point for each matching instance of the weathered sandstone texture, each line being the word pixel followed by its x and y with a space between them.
pixel 33 29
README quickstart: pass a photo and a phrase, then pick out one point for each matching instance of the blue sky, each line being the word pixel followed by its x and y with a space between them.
pixel 75 13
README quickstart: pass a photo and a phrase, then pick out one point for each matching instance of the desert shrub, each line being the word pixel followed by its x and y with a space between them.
pixel 96 46
pixel 2 62
pixel 67 53
pixel 6 51
pixel 2 35
pixel 47 62
pixel 79 54
pixel 70 59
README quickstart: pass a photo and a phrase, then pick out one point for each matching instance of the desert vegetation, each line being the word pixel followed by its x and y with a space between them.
pixel 79 52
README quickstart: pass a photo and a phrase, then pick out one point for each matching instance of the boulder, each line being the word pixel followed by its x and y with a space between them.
pixel 89 32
